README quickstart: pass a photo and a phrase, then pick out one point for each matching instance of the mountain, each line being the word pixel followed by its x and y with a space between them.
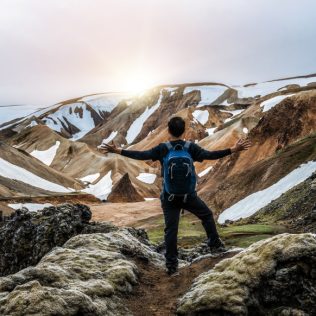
pixel 124 191
pixel 278 116
pixel 23 174
pixel 66 259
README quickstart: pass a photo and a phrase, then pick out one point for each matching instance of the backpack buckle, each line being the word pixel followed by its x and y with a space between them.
pixel 185 198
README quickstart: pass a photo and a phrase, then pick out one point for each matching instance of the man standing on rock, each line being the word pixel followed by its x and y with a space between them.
pixel 179 184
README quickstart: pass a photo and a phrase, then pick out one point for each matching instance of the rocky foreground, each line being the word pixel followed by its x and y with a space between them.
pixel 100 269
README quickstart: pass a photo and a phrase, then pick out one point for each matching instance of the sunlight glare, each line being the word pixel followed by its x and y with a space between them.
pixel 137 83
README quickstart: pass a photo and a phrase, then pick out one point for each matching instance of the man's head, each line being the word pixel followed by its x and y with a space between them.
pixel 176 126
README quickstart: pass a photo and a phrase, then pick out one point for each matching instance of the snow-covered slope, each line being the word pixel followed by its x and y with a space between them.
pixel 22 174
pixel 270 103
pixel 102 188
pixel 254 202
pixel 12 171
pixel 208 93
pixel 106 102
pixel 12 112
pixel 140 122
pixel 33 207
pixel 46 156
pixel 80 117
pixel 201 116
pixel 137 125
pixel 264 88
pixel 72 118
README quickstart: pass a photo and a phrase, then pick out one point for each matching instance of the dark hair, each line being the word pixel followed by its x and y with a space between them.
pixel 176 126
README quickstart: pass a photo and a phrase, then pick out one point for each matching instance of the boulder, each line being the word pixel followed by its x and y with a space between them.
pixel 27 236
pixel 124 191
pixel 276 276
pixel 86 276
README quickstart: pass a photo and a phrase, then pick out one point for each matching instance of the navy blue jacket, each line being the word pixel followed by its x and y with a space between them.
pixel 157 153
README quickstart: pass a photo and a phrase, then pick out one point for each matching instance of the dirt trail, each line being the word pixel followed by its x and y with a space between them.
pixel 125 214
pixel 157 293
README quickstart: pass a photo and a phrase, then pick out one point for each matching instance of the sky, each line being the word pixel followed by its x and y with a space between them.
pixel 53 50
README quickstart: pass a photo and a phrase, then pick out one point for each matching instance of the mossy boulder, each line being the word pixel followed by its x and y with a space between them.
pixel 271 277
pixel 85 276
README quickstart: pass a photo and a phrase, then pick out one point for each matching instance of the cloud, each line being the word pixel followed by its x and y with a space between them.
pixel 56 49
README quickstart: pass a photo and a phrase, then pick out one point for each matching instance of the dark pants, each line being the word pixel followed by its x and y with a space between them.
pixel 171 211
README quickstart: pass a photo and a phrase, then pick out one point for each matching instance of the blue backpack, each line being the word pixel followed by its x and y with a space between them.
pixel 179 178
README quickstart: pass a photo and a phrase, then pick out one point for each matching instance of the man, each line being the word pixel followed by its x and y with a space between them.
pixel 172 205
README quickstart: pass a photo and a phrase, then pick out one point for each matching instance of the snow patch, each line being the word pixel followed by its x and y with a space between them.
pixel 12 112
pixel 206 171
pixel 109 138
pixel 32 124
pixel 254 202
pixel 137 125
pixel 147 177
pixel 32 207
pixel 15 172
pixel 210 131
pixel 201 116
pixel 46 156
pixel 106 102
pixel 270 103
pixel 209 93
pixel 76 114
pixel 102 188
pixel 265 88
pixel 225 103
pixel 171 90
pixel 91 177
pixel 235 113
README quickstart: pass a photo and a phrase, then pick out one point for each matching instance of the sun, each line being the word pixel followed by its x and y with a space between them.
pixel 135 80
pixel 137 83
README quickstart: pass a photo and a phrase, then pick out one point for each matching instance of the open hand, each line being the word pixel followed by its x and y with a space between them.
pixel 241 144
pixel 109 148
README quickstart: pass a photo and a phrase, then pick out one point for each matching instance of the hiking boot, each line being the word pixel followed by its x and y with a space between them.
pixel 173 270
pixel 217 245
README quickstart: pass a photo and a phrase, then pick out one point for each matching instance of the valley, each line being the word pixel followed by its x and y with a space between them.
pixel 97 219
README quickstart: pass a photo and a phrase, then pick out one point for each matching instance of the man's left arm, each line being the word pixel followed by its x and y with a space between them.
pixel 203 154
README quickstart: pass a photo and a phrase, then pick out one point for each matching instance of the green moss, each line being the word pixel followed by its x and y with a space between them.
pixel 191 232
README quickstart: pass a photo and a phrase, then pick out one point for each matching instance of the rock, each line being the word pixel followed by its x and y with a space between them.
pixel 85 276
pixel 124 191
pixel 28 236
pixel 275 276
pixel 228 222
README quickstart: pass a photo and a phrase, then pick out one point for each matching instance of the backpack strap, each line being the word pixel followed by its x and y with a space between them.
pixel 186 145
pixel 169 146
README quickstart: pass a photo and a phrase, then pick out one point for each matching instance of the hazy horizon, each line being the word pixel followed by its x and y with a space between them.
pixel 59 49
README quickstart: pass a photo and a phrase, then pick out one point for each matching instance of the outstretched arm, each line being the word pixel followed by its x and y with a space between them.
pixel 139 155
pixel 241 144
pixel 203 154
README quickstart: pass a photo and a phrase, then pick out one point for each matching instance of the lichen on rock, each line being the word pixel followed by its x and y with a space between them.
pixel 83 277
pixel 271 276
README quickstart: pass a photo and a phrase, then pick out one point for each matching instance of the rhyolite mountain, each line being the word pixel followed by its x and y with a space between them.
pixel 56 261
pixel 59 144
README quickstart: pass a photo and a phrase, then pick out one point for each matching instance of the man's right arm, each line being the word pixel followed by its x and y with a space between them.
pixel 151 154
pixel 139 155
